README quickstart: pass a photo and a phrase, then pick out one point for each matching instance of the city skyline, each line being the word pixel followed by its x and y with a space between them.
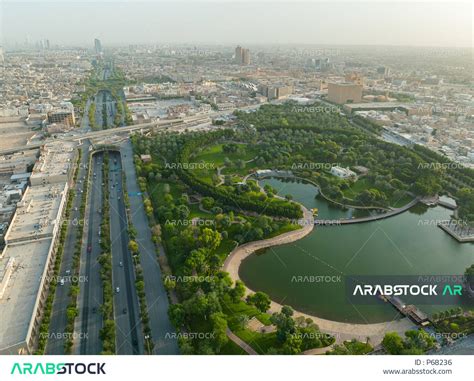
pixel 356 23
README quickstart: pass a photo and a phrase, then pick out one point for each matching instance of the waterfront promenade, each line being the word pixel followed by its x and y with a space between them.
pixel 341 331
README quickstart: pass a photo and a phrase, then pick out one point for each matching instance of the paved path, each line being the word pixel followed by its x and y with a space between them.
pixel 341 331
pixel 242 344
pixel 374 217
pixel 318 351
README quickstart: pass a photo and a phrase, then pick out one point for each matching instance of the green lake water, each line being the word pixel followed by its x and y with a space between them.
pixel 407 244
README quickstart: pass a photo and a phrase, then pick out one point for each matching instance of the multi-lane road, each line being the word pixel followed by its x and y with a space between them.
pixel 57 327
pixel 129 336
pixel 89 321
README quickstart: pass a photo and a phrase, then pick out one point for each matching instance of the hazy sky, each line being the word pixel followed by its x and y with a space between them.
pixel 376 22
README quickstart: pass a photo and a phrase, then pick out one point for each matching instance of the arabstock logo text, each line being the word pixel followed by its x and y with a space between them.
pixel 58 368
pixel 405 290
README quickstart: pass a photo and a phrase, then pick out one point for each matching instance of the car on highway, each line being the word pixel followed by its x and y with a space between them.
pixel 124 310
pixel 89 248
pixel 94 310
pixel 120 264
pixel 117 290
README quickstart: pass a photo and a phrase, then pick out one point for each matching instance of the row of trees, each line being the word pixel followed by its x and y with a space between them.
pixel 415 342
pixel 139 279
pixel 47 309
pixel 107 332
pixel 72 311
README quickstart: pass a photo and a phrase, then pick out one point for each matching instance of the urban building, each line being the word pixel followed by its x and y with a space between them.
pixel 97 46
pixel 64 114
pixel 242 56
pixel 345 92
pixel 27 260
pixel 277 91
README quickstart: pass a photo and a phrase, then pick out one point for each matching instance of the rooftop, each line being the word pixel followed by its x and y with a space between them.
pixel 17 304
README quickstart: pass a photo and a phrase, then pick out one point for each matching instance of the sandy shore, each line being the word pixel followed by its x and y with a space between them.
pixel 341 331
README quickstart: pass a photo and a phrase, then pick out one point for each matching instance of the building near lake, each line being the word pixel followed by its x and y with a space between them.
pixel 343 173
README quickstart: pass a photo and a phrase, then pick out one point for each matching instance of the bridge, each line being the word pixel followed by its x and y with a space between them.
pixel 161 124
pixel 373 217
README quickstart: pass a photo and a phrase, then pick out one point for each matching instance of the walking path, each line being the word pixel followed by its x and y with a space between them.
pixel 341 331
pixel 374 217
pixel 242 344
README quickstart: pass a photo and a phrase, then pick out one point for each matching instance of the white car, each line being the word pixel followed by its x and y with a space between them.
pixel 61 282
pixel 117 290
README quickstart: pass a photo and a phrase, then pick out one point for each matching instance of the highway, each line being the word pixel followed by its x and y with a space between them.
pixel 158 125
pixel 157 299
pixel 57 326
pixel 129 332
pixel 89 321
pixel 104 98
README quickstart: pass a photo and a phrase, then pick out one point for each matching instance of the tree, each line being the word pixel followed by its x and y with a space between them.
pixel 210 239
pixel 177 315
pixel 238 291
pixel 260 300
pixel 133 247
pixel 219 330
pixel 393 343
pixel 284 322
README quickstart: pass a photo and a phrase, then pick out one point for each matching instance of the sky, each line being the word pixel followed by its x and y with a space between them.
pixel 335 22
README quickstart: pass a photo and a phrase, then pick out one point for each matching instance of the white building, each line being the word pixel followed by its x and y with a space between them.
pixel 343 173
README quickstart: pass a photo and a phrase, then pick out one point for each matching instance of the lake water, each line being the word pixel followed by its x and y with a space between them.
pixel 407 244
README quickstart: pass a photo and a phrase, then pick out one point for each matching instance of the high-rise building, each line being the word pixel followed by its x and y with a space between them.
pixel 97 46
pixel 242 56
pixel 238 55
pixel 245 57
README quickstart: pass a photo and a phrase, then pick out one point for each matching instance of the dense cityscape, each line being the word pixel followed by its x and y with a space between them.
pixel 222 199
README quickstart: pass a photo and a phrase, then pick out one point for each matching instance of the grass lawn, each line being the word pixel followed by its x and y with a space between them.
pixel 232 349
pixel 216 156
pixel 357 347
pixel 356 188
pixel 398 203
pixel 261 342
